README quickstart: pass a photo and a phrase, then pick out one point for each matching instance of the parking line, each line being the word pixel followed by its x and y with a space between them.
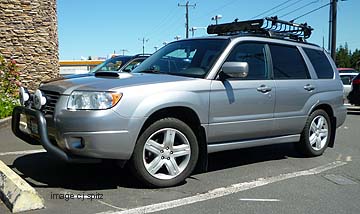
pixel 224 191
pixel 109 205
pixel 26 152
pixel 259 199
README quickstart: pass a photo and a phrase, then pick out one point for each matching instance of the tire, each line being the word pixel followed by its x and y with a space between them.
pixel 165 154
pixel 316 134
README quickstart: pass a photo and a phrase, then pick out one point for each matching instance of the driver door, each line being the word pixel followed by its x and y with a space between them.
pixel 243 108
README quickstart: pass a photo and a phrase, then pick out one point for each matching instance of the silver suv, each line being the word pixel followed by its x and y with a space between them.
pixel 248 86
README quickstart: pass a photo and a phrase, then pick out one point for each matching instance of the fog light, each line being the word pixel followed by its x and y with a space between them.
pixel 75 143
pixel 39 99
pixel 24 95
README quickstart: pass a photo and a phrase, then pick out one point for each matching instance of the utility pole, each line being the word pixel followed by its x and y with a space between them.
pixel 187 5
pixel 216 18
pixel 193 29
pixel 143 44
pixel 332 28
pixel 123 51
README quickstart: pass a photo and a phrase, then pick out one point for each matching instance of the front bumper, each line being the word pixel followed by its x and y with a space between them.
pixel 43 135
pixel 74 145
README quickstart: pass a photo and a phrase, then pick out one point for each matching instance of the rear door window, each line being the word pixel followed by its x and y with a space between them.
pixel 288 63
pixel 320 63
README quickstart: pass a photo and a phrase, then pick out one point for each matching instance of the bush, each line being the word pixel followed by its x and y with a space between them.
pixel 9 86
pixel 6 105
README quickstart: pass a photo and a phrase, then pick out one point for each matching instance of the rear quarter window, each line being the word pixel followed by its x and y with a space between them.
pixel 320 63
pixel 288 63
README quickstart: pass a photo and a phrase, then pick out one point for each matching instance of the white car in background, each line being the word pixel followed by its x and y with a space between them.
pixel 346 79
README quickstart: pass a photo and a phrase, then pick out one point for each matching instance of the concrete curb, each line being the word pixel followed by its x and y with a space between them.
pixel 16 193
pixel 5 122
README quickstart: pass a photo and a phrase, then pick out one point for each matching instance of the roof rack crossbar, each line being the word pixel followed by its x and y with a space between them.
pixel 270 26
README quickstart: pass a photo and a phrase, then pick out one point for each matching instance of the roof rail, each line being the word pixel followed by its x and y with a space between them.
pixel 269 26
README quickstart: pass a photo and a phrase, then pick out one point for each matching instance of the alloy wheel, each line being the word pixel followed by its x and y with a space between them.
pixel 166 153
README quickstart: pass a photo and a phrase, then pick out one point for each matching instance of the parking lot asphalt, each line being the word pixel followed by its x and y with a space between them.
pixel 269 179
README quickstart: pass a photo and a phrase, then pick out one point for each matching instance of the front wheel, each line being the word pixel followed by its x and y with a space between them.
pixel 316 134
pixel 165 153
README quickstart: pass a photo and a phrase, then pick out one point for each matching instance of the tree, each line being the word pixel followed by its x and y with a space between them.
pixel 343 57
pixel 355 59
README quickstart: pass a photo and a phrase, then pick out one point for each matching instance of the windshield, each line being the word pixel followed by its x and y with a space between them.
pixel 192 58
pixel 112 64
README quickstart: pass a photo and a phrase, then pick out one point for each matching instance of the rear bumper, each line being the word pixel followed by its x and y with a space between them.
pixel 43 138
pixel 340 115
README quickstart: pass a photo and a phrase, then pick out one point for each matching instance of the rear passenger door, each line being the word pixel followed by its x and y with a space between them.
pixel 294 87
pixel 325 77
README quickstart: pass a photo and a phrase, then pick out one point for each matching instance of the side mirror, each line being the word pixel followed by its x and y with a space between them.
pixel 236 69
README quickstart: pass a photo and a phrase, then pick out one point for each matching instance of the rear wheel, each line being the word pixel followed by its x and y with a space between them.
pixel 316 134
pixel 165 154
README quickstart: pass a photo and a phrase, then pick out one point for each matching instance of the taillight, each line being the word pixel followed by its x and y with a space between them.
pixel 356 82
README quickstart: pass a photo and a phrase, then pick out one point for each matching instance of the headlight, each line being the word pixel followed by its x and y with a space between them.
pixel 89 100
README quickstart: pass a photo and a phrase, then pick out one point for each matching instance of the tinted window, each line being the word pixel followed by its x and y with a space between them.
pixel 112 64
pixel 320 63
pixel 133 64
pixel 254 55
pixel 346 79
pixel 288 63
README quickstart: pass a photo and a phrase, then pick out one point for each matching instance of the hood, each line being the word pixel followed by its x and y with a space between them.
pixel 68 76
pixel 107 83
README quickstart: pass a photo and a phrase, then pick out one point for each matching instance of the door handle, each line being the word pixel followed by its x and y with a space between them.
pixel 309 87
pixel 264 88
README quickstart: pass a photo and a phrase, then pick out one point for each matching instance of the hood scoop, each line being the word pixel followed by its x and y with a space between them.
pixel 107 74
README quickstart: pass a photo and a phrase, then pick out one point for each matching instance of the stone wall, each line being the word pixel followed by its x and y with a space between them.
pixel 28 34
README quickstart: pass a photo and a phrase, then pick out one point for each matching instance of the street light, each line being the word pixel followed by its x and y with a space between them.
pixel 165 43
pixel 216 18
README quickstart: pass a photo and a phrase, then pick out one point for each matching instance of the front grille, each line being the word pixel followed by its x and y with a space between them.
pixel 51 100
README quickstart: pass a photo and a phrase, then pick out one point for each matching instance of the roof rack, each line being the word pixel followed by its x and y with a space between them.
pixel 269 26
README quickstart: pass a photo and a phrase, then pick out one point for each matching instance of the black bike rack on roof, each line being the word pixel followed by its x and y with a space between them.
pixel 270 26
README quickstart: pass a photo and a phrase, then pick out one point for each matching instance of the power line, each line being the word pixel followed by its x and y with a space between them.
pixel 271 9
pixel 211 12
pixel 169 17
pixel 286 7
pixel 316 9
pixel 299 8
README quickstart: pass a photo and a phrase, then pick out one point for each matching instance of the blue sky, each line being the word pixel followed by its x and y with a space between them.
pixel 98 28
